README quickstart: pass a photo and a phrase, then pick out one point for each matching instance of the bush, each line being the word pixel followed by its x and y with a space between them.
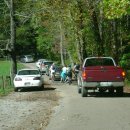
pixel 125 61
pixel 128 75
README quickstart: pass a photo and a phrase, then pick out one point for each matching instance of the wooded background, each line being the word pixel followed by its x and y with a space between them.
pixel 65 30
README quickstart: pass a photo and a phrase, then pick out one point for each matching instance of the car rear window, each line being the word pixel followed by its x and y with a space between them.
pixel 29 56
pixel 28 72
pixel 99 62
pixel 48 63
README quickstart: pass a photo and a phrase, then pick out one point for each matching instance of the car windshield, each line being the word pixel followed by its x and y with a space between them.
pixel 28 72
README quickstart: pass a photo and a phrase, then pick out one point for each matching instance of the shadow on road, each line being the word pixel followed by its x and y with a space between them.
pixel 106 94
pixel 37 89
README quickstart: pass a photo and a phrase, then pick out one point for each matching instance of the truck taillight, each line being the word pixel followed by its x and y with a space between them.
pixel 84 74
pixel 123 73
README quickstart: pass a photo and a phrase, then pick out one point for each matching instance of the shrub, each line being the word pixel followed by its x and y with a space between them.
pixel 125 61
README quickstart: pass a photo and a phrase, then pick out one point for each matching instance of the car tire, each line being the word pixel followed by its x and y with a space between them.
pixel 16 89
pixel 79 89
pixel 42 87
pixel 119 91
pixel 79 86
pixel 84 92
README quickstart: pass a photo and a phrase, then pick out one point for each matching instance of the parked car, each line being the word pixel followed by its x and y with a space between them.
pixel 38 63
pixel 26 58
pixel 28 78
pixel 57 74
pixel 44 67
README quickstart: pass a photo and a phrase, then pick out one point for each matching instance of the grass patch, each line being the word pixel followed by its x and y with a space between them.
pixel 5 67
pixel 6 91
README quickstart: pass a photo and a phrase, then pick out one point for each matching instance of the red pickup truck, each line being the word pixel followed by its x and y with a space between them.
pixel 100 73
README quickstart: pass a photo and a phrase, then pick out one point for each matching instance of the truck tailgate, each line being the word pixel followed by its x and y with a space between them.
pixel 103 73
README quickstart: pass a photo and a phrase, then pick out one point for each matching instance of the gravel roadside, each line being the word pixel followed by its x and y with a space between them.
pixel 27 110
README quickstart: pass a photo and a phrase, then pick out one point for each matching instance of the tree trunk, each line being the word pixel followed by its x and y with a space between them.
pixel 116 56
pixel 61 43
pixel 96 28
pixel 81 44
pixel 79 48
pixel 13 40
pixel 101 28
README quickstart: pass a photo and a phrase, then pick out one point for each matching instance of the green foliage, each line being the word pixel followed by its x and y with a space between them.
pixel 38 31
pixel 115 8
pixel 25 39
pixel 128 75
pixel 125 61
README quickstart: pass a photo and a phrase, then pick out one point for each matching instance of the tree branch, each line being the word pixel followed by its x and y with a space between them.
pixel 7 3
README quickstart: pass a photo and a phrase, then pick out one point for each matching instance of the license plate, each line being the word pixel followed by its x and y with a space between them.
pixel 105 83
pixel 27 83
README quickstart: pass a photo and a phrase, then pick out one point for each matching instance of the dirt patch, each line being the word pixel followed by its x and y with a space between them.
pixel 127 89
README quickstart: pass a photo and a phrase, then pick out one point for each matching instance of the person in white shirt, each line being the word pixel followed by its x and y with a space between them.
pixel 52 70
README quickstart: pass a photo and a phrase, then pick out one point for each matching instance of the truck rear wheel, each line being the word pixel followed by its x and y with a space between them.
pixel 79 85
pixel 84 92
pixel 119 91
pixel 79 89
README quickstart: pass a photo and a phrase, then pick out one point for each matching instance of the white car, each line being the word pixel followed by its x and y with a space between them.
pixel 28 78
pixel 38 63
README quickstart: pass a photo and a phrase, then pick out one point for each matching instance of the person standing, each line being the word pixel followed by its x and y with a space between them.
pixel 76 70
pixel 52 71
pixel 63 73
pixel 69 74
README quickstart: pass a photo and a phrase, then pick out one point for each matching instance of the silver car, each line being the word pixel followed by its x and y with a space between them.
pixel 26 58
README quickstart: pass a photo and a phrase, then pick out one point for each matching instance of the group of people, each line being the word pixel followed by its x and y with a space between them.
pixel 67 72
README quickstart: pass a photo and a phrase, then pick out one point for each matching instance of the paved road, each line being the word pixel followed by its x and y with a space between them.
pixel 96 112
